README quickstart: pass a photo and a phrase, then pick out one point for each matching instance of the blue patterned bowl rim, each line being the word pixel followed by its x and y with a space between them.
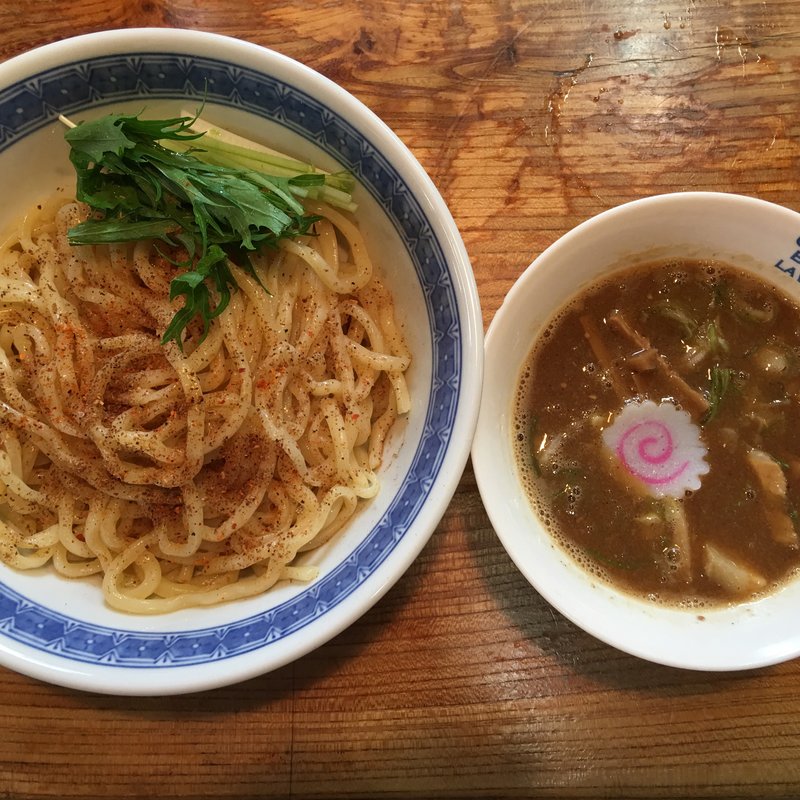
pixel 31 104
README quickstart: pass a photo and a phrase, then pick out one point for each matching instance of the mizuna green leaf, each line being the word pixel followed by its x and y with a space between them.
pixel 140 189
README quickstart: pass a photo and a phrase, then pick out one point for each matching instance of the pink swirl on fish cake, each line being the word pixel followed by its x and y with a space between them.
pixel 658 445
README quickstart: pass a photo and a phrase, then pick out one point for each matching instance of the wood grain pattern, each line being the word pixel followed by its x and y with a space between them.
pixel 462 682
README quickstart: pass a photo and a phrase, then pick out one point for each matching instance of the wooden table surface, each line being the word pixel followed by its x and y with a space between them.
pixel 530 116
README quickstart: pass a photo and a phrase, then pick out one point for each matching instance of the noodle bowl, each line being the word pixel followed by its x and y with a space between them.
pixel 60 630
pixel 190 476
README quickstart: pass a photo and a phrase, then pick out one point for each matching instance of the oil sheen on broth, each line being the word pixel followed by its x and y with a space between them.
pixel 716 350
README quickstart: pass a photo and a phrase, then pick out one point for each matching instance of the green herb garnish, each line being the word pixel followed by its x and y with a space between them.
pixel 716 341
pixel 140 189
pixel 720 378
pixel 227 149
pixel 676 313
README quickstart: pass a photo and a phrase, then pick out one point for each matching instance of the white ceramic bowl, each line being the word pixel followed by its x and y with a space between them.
pixel 60 631
pixel 739 230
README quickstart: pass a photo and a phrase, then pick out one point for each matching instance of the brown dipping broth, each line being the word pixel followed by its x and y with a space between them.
pixel 707 320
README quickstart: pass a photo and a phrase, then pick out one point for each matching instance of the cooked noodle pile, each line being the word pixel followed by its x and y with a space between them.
pixel 189 477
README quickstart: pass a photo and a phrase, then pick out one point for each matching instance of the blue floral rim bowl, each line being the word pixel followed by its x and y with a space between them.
pixel 59 630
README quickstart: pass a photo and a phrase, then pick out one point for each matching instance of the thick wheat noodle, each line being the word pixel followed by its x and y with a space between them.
pixel 195 475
